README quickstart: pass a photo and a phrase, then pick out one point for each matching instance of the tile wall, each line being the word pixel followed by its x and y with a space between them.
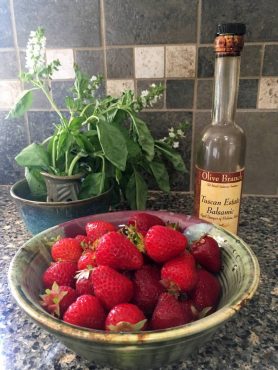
pixel 136 43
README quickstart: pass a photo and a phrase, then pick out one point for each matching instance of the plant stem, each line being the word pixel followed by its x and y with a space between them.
pixel 40 85
pixel 73 162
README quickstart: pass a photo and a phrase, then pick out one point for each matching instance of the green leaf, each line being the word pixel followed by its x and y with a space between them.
pixel 76 123
pixel 93 184
pixel 23 103
pixel 34 155
pixel 145 138
pixel 133 148
pixel 136 191
pixel 160 174
pixel 113 143
pixel 174 157
pixel 35 181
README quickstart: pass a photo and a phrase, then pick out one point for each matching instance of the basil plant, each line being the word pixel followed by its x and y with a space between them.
pixel 101 137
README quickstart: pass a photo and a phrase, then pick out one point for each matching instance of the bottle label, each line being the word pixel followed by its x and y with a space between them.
pixel 217 197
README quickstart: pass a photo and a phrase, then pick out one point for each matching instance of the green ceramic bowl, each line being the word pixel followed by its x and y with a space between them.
pixel 239 279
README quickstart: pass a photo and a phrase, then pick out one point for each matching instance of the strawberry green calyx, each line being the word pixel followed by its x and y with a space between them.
pixel 171 287
pixel 137 238
pixel 52 298
pixel 124 326
pixel 50 241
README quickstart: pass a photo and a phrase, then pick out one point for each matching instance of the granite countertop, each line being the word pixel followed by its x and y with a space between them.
pixel 248 341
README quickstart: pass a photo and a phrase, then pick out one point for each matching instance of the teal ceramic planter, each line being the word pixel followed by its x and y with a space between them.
pixel 39 215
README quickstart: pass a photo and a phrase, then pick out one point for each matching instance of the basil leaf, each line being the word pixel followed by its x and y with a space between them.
pixel 36 182
pixel 23 103
pixel 136 191
pixel 160 174
pixel 145 138
pixel 93 184
pixel 174 157
pixel 34 155
pixel 113 144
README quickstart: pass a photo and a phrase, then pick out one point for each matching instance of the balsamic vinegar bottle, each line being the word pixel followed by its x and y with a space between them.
pixel 221 152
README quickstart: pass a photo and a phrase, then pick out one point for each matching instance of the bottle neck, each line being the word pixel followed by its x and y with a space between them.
pixel 225 89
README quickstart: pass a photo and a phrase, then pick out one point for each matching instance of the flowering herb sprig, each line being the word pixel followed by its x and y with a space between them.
pixel 175 135
pixel 103 137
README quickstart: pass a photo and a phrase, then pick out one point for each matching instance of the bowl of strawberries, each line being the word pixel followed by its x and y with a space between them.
pixel 133 290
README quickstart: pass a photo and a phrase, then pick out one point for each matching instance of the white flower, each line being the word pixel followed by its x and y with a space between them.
pixel 35 52
pixel 153 85
pixel 172 134
pixel 171 129
pixel 176 144
pixel 144 102
pixel 93 78
pixel 163 139
pixel 144 93
pixel 180 132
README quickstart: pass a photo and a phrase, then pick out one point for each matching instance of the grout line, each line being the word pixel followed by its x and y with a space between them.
pixel 195 97
pixel 26 123
pixel 165 78
pixel 261 75
pixel 103 40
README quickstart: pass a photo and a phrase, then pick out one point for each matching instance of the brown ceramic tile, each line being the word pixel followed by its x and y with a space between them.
pixel 180 61
pixel 149 62
pixel 260 18
pixel 90 61
pixel 204 94
pixel 251 61
pixel 270 63
pixel 8 65
pixel 119 63
pixel 179 94
pixel 133 22
pixel 13 138
pixel 268 93
pixel 67 24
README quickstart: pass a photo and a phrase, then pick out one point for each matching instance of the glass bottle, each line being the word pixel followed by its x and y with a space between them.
pixel 221 151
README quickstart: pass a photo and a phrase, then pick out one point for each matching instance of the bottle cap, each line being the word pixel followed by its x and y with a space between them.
pixel 231 29
pixel 229 39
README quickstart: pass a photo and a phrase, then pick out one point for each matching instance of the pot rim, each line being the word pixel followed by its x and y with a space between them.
pixel 35 203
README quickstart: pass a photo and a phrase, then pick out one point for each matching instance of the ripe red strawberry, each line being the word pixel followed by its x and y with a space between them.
pixel 87 312
pixel 144 221
pixel 180 273
pixel 84 285
pixel 62 272
pixel 125 317
pixel 167 313
pixel 84 241
pixel 189 311
pixel 110 286
pixel 66 249
pixel 163 243
pixel 96 229
pixel 207 253
pixel 147 288
pixel 207 291
pixel 116 251
pixel 87 260
pixel 57 299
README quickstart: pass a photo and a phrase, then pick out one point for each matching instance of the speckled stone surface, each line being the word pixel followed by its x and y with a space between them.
pixel 247 342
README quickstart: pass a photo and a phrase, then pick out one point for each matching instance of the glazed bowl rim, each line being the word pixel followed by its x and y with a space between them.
pixel 53 204
pixel 211 322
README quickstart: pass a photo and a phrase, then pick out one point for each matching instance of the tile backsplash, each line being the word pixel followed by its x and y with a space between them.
pixel 137 43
